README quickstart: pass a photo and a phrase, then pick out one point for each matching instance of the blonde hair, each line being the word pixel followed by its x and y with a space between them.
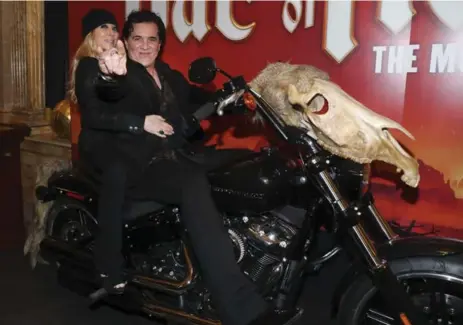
pixel 87 48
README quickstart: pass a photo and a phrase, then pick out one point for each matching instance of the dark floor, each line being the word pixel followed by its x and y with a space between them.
pixel 33 297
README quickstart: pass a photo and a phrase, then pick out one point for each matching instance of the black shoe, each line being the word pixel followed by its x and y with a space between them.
pixel 274 317
pixel 109 286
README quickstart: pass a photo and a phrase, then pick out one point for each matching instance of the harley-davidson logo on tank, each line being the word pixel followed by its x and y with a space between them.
pixel 401 59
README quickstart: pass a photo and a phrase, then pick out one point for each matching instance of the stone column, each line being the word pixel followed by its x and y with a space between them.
pixel 35 39
pixel 22 80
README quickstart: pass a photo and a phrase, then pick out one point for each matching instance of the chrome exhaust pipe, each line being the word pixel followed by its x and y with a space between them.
pixel 176 314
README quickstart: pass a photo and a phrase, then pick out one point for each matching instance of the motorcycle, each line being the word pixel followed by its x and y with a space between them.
pixel 275 204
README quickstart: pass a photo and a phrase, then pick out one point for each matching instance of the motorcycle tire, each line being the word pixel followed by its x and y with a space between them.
pixel 423 276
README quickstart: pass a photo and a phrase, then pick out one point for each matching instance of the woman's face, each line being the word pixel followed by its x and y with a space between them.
pixel 105 36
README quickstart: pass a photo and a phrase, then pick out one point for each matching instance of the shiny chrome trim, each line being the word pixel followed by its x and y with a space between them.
pixel 383 224
pixel 439 276
pixel 367 245
pixel 327 256
pixel 357 232
pixel 333 191
pixel 162 311
pixel 176 285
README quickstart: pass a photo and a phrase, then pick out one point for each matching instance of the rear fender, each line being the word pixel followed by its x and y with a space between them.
pixel 70 184
pixel 401 248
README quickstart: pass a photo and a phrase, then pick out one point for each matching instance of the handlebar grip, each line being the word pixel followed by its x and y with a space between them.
pixel 204 111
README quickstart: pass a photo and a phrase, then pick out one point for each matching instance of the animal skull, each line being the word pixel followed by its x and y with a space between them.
pixel 348 129
pixel 351 130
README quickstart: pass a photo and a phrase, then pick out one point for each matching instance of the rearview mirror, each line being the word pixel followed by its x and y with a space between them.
pixel 202 71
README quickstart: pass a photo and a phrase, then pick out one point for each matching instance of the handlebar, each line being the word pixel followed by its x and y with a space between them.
pixel 289 133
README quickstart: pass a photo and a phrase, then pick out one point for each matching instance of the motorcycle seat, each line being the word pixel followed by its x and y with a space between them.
pixel 134 209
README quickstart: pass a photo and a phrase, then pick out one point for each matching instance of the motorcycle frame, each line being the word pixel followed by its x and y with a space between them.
pixel 349 215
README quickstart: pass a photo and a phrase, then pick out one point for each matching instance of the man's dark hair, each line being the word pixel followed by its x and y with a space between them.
pixel 144 16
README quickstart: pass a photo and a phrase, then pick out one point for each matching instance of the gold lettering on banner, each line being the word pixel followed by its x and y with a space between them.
pixel 338 29
pixel 288 21
pixel 227 25
pixel 309 13
pixel 160 7
pixel 131 5
pixel 196 25
pixel 338 24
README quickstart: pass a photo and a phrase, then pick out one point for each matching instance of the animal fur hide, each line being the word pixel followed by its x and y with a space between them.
pixel 347 129
pixel 37 227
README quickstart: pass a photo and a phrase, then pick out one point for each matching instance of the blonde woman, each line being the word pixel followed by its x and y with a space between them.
pixel 96 141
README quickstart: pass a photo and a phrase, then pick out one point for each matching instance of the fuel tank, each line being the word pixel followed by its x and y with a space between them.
pixel 258 182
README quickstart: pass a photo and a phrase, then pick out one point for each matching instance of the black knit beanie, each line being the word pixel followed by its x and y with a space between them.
pixel 95 18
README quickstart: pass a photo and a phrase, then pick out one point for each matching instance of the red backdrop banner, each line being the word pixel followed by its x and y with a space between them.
pixel 402 59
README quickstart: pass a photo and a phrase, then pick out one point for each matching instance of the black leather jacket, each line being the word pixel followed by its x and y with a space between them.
pixel 113 113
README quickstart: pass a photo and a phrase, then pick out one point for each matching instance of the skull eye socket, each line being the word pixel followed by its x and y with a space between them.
pixel 318 105
pixel 298 107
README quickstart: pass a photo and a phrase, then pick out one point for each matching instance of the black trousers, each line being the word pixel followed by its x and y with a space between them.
pixel 108 242
pixel 184 182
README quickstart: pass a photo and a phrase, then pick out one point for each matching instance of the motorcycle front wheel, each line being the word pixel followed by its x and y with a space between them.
pixel 435 285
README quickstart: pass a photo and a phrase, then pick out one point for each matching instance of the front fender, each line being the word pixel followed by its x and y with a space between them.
pixel 420 246
pixel 413 246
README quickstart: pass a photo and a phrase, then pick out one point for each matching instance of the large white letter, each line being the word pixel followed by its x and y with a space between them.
pixel 160 7
pixel 226 23
pixel 309 13
pixel 395 59
pixel 395 15
pixel 338 38
pixel 442 60
pixel 448 12
pixel 379 50
pixel 131 5
pixel 288 21
pixel 198 25
pixel 410 58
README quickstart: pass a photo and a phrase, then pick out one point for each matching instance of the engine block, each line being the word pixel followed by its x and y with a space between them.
pixel 259 242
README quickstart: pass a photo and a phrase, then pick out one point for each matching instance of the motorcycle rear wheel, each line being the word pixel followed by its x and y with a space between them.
pixel 434 283
pixel 70 221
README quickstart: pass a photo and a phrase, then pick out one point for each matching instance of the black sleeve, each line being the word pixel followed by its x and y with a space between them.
pixel 196 96
pixel 111 89
pixel 95 112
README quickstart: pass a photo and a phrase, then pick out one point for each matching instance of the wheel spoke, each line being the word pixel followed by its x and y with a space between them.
pixel 83 219
pixel 379 318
